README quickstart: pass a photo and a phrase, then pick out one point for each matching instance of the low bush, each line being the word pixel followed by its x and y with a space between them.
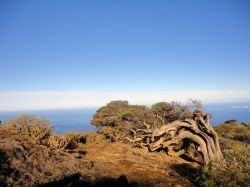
pixel 235 171
pixel 41 129
pixel 233 130
pixel 38 128
pixel 69 140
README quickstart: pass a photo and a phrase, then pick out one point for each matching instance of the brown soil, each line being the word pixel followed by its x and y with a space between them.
pixel 25 162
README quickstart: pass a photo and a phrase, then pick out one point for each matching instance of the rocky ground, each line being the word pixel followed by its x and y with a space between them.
pixel 98 162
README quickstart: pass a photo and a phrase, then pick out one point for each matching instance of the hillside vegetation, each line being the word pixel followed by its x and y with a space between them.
pixel 235 145
pixel 121 152
pixel 89 159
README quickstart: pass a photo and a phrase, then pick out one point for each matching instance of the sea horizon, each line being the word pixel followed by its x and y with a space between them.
pixel 79 119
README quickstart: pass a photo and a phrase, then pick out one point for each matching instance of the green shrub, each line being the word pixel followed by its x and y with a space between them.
pixel 116 112
pixel 162 106
pixel 176 111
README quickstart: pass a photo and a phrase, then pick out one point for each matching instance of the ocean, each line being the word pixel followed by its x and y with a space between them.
pixel 65 120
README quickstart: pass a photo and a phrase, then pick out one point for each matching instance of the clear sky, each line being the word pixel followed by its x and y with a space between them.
pixel 134 45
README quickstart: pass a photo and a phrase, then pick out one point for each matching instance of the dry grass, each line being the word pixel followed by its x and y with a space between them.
pixel 38 128
pixel 95 148
pixel 235 170
pixel 66 141
pixel 235 131
pixel 25 162
pixel 41 130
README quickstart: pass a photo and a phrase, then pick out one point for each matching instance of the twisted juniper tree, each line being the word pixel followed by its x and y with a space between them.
pixel 178 129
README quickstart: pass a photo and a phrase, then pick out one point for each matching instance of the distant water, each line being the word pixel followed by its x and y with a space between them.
pixel 222 112
pixel 62 120
pixel 80 119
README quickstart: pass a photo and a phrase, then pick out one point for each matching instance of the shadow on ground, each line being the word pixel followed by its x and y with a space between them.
pixel 76 180
pixel 5 169
pixel 185 170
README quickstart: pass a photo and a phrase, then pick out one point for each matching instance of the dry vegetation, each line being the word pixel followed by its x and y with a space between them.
pixel 235 171
pixel 38 128
pixel 90 160
pixel 32 154
pixel 41 130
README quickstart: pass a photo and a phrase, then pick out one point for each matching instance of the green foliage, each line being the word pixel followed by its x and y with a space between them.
pixel 119 120
pixel 128 112
pixel 162 106
pixel 177 111
pixel 116 112
pixel 110 114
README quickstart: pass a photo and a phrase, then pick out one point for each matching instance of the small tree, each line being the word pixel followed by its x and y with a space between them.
pixel 118 119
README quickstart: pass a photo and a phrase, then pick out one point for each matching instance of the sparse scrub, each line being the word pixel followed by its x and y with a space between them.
pixel 69 140
pixel 38 128
pixel 119 121
pixel 57 141
pixel 233 130
pixel 235 170
pixel 41 129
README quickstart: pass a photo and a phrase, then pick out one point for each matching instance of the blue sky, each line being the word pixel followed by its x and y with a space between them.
pixel 136 45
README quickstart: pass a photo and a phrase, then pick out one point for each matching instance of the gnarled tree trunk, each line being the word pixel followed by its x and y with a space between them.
pixel 171 136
